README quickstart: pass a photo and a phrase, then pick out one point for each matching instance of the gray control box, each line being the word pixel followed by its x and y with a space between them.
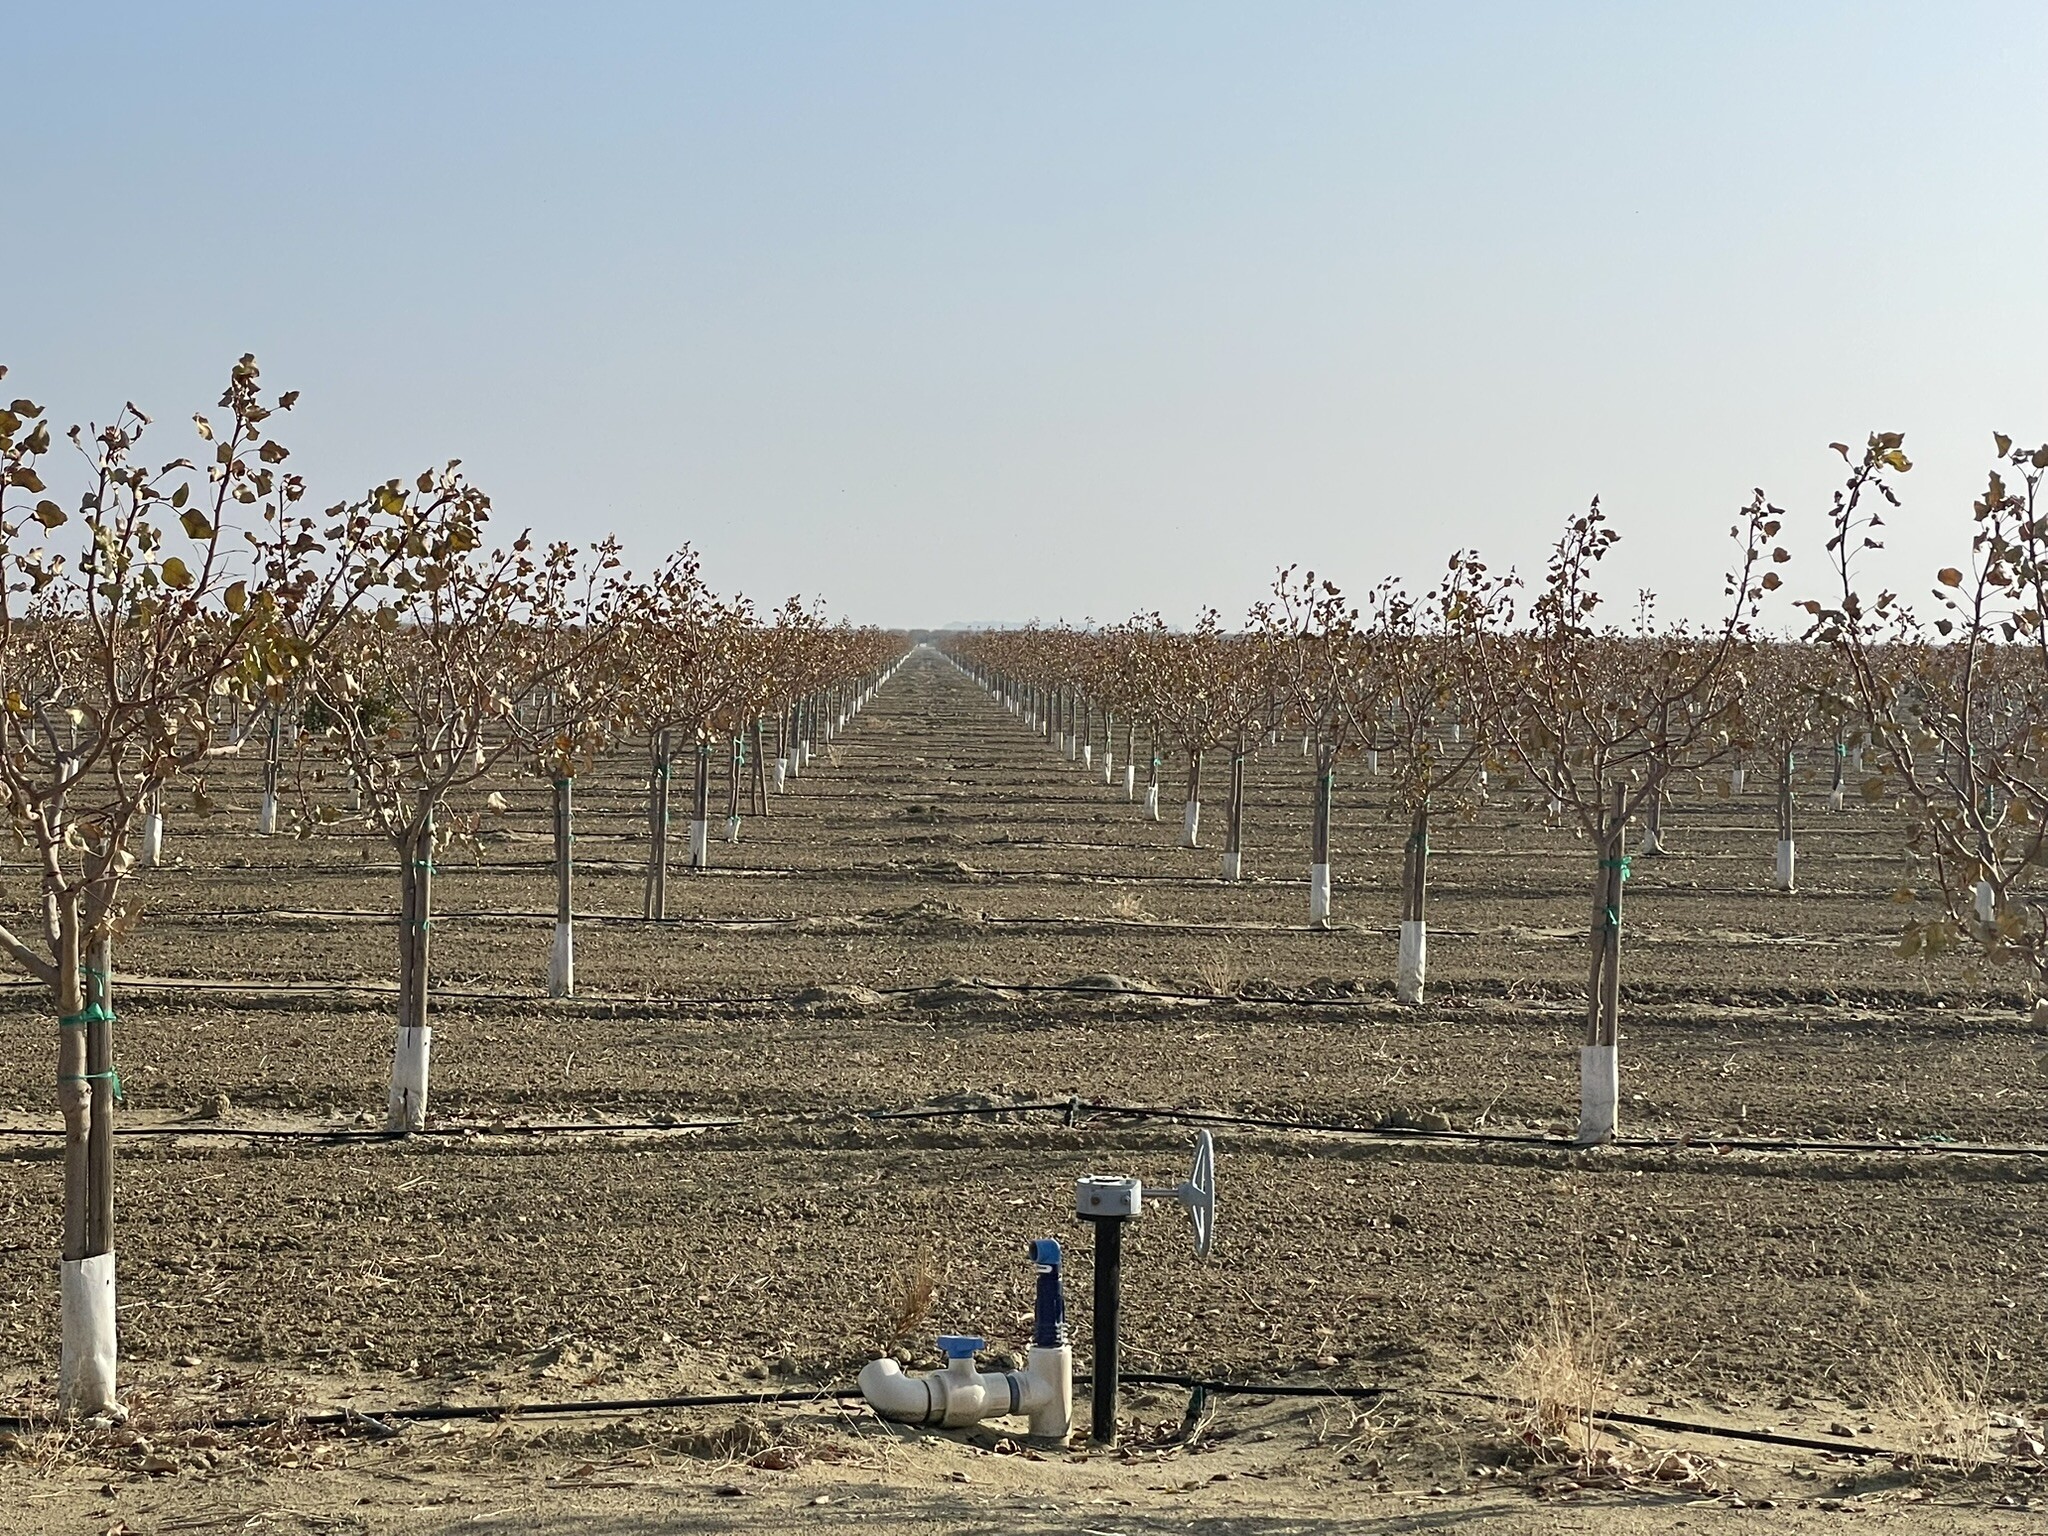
pixel 1109 1194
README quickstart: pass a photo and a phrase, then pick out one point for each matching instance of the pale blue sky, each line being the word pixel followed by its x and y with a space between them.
pixel 967 311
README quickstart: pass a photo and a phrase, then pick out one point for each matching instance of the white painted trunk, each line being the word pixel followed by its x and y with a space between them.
pixel 1108 766
pixel 152 839
pixel 781 773
pixel 1318 895
pixel 1191 824
pixel 1233 866
pixel 1130 781
pixel 1087 755
pixel 1152 802
pixel 562 961
pixel 1599 1093
pixel 88 1355
pixel 1788 863
pixel 410 1058
pixel 266 815
pixel 1411 967
pixel 700 844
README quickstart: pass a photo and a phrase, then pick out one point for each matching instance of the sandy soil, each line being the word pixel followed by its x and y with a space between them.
pixel 902 931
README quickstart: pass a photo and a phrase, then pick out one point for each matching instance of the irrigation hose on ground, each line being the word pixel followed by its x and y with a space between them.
pixel 387 1422
pixel 1073 1110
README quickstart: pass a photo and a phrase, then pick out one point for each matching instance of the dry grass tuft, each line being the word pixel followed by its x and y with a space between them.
pixel 1942 1403
pixel 913 1304
pixel 1560 1378
pixel 1219 974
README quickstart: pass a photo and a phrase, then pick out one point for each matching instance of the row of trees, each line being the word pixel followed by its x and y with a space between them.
pixel 404 653
pixel 1484 679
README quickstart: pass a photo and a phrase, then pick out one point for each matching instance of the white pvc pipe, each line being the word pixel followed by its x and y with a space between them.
pixel 410 1057
pixel 89 1352
pixel 562 961
pixel 959 1395
pixel 1412 966
pixel 1191 824
pixel 1233 866
pixel 1318 895
pixel 1788 861
pixel 1599 1093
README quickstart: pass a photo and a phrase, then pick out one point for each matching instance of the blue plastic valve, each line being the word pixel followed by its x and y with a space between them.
pixel 958 1346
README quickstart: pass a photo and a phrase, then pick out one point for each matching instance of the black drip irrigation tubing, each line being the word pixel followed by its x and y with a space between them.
pixel 386 1422
pixel 1074 1110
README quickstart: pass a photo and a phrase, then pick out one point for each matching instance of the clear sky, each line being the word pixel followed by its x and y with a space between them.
pixel 971 311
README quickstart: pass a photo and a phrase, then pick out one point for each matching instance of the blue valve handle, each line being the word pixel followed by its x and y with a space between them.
pixel 959 1346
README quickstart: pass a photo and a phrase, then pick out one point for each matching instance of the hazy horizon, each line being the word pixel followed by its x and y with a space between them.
pixel 931 310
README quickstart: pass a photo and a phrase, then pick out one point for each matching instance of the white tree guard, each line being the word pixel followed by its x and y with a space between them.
pixel 1191 824
pixel 1130 781
pixel 1233 866
pixel 1599 1093
pixel 1087 755
pixel 1108 766
pixel 781 773
pixel 1737 777
pixel 1835 798
pixel 89 1353
pixel 1372 761
pixel 266 815
pixel 1318 895
pixel 1412 963
pixel 562 961
pixel 1986 896
pixel 152 839
pixel 1788 863
pixel 1152 802
pixel 700 843
pixel 732 829
pixel 410 1059
pixel 1653 840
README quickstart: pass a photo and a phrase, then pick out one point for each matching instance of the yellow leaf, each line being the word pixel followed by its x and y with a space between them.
pixel 237 597
pixel 175 573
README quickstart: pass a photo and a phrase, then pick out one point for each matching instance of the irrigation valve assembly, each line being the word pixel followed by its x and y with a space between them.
pixel 960 1395
pixel 1108 1201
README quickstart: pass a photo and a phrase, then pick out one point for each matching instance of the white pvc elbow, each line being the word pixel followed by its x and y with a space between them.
pixel 959 1395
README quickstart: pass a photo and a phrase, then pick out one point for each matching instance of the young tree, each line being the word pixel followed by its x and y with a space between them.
pixel 1956 707
pixel 420 699
pixel 175 588
pixel 1596 717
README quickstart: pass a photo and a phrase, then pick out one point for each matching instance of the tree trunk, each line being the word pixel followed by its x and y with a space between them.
pixel 1319 842
pixel 1599 1057
pixel 1412 961
pixel 700 806
pixel 655 899
pixel 273 750
pixel 1788 854
pixel 562 964
pixel 412 1057
pixel 1233 815
pixel 757 780
pixel 1191 811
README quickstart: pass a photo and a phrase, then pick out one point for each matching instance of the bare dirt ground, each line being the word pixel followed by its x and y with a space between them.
pixel 904 931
